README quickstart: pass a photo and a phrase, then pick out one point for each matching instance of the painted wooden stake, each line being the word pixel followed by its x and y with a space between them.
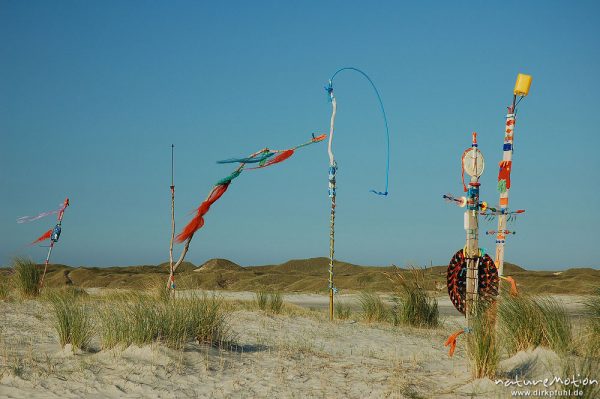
pixel 54 239
pixel 332 188
pixel 171 281
pixel 474 165
pixel 521 89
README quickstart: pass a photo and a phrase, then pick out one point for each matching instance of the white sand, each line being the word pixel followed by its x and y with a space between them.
pixel 278 356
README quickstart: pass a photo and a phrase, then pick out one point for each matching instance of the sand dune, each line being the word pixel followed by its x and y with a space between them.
pixel 274 356
pixel 303 275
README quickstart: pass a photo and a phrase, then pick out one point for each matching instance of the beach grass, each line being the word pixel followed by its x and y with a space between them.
pixel 275 302
pixel 373 307
pixel 26 278
pixel 527 322
pixel 4 288
pixel 143 319
pixel 413 304
pixel 592 332
pixel 72 319
pixel 342 310
pixel 482 349
pixel 585 365
pixel 262 299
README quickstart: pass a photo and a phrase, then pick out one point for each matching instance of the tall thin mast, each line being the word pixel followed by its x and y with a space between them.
pixel 54 238
pixel 171 282
pixel 472 253
pixel 521 89
pixel 332 172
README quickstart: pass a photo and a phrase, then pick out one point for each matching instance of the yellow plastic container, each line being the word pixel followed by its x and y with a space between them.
pixel 522 85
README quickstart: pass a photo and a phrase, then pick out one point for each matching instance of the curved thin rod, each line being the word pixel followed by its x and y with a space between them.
pixel 387 130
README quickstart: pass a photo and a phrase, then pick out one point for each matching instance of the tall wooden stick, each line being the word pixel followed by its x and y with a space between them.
pixel 46 264
pixel 171 281
pixel 472 254
pixel 54 238
pixel 506 157
pixel 332 172
pixel 521 89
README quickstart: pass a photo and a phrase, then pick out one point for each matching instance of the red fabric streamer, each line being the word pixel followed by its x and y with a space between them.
pixel 451 341
pixel 43 237
pixel 198 221
pixel 282 156
pixel 513 285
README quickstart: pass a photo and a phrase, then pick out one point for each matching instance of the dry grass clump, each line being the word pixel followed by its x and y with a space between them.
pixel 49 293
pixel 528 322
pixel 414 306
pixel 586 365
pixel 482 348
pixel 157 288
pixel 72 319
pixel 373 307
pixel 4 289
pixel 262 299
pixel 593 327
pixel 584 360
pixel 275 302
pixel 342 310
pixel 271 301
pixel 288 309
pixel 26 278
pixel 143 319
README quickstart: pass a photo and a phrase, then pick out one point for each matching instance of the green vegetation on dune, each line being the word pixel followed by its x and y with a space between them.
pixel 303 275
pixel 26 278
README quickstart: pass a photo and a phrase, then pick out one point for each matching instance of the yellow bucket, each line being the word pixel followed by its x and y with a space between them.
pixel 522 85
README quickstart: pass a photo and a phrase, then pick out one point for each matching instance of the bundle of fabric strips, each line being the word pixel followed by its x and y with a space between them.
pixel 263 158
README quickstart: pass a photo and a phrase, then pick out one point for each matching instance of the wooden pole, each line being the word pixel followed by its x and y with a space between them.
pixel 507 160
pixel 46 264
pixel 54 238
pixel 332 193
pixel 472 253
pixel 171 281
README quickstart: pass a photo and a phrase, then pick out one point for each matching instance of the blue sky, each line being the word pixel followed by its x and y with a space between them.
pixel 94 93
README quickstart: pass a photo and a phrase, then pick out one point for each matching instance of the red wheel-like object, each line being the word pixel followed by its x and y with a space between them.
pixel 457 280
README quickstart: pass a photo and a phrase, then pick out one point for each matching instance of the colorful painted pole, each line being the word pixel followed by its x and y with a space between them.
pixel 471 276
pixel 473 164
pixel 333 170
pixel 521 89
pixel 54 236
pixel 171 281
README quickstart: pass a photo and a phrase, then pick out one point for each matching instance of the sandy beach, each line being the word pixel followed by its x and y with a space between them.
pixel 274 356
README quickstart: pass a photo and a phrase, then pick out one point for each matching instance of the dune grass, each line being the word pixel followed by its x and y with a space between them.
pixel 373 307
pixel 585 365
pixel 262 299
pixel 143 319
pixel 527 322
pixel 156 287
pixel 593 326
pixel 4 288
pixel 269 301
pixel 413 305
pixel 26 278
pixel 482 349
pixel 275 302
pixel 72 320
pixel 342 310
